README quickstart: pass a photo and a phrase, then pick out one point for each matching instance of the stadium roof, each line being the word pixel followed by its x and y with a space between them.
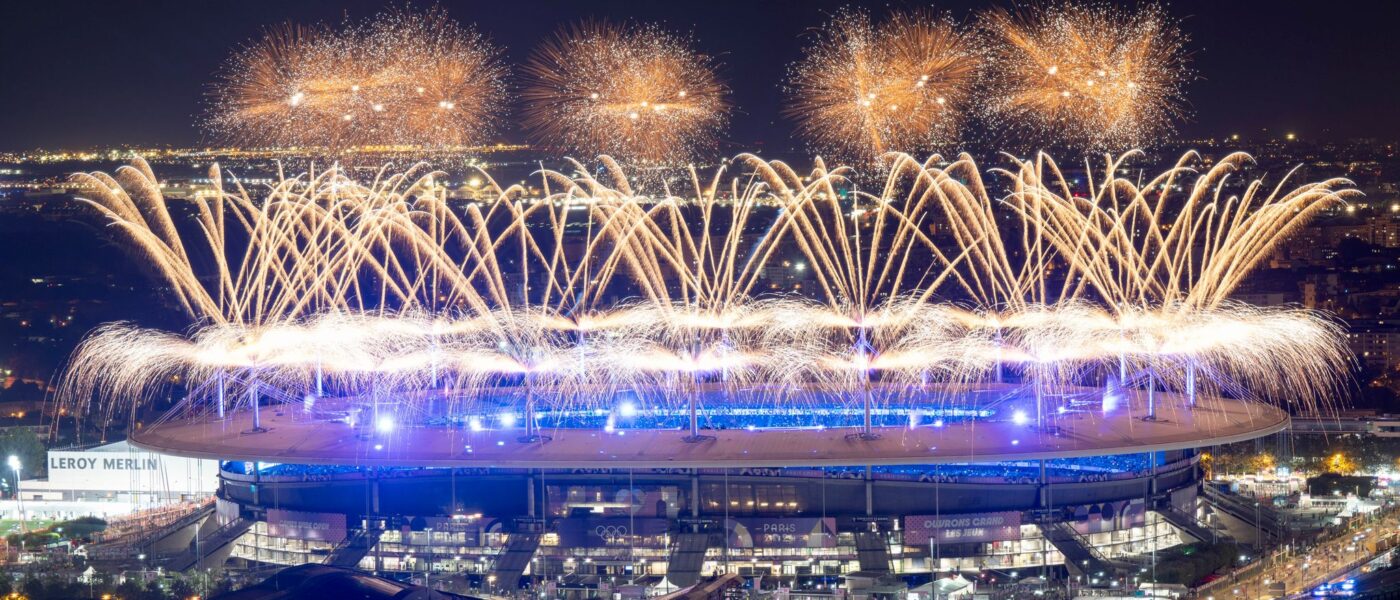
pixel 290 438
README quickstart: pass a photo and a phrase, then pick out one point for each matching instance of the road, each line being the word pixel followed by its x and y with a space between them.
pixel 1303 570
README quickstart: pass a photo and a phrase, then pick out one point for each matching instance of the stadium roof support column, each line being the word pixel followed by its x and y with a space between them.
pixel 869 493
pixel 1151 397
pixel 257 414
pixel 1191 385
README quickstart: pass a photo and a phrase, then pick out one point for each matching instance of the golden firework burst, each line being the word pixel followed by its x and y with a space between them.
pixel 902 85
pixel 635 92
pixel 401 79
pixel 1087 75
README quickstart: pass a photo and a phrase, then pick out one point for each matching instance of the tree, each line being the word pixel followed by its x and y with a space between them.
pixel 22 392
pixel 25 444
pixel 1339 463
pixel 1353 250
pixel 182 588
pixel 154 591
pixel 32 587
pixel 130 588
pixel 57 586
pixel 81 528
pixel 1230 460
pixel 224 586
pixel 1261 462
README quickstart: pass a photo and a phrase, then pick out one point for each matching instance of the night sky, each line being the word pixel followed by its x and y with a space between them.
pixel 104 73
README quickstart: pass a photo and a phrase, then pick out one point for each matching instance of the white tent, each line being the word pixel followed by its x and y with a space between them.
pixel 956 587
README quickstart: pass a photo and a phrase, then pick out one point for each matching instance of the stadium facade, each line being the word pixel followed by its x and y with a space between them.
pixel 987 493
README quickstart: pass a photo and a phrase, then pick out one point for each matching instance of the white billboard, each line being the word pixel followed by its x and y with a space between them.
pixel 119 467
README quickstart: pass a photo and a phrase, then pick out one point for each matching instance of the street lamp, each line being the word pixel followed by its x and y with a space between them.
pixel 13 461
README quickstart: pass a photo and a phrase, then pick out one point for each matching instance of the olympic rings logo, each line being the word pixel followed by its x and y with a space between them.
pixel 611 533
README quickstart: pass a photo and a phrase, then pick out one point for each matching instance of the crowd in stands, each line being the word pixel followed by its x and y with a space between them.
pixel 721 417
pixel 1067 470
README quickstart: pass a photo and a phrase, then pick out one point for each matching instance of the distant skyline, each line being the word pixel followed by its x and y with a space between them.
pixel 98 74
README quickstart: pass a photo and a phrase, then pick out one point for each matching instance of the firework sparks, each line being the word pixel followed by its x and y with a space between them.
pixel 635 92
pixel 1089 75
pixel 402 79
pixel 1274 354
pixel 902 85
pixel 389 287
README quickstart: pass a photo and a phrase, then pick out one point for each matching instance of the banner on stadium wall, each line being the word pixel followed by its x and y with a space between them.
pixel 301 525
pixel 225 511
pixel 779 532
pixel 612 532
pixel 470 527
pixel 953 529
pixel 1108 516
pixel 1184 500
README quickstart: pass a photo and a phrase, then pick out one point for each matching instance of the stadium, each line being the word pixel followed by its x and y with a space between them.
pixel 600 391
pixel 642 506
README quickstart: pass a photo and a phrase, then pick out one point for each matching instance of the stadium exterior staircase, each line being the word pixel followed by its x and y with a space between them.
pixel 512 562
pixel 1253 512
pixel 208 551
pixel 169 537
pixel 872 552
pixel 349 553
pixel 687 558
pixel 1079 555
pixel 1187 524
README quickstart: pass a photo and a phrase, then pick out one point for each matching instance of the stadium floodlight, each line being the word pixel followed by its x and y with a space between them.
pixel 627 409
pixel 384 424
pixel 15 466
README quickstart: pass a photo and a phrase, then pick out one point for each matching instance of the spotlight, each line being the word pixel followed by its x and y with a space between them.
pixel 384 424
pixel 627 409
pixel 1019 417
pixel 474 423
pixel 508 419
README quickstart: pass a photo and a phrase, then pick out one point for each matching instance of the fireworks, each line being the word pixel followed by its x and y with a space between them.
pixel 388 287
pixel 1087 75
pixel 900 86
pixel 766 349
pixel 402 79
pixel 634 92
